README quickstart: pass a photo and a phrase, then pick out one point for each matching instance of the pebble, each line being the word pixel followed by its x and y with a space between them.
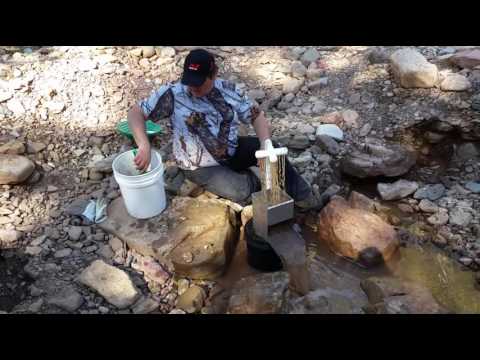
pixel 428 206
pixel 74 233
pixel 431 192
pixel 62 253
pixel 440 218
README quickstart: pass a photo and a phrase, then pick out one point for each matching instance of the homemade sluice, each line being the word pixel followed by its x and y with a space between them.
pixel 272 242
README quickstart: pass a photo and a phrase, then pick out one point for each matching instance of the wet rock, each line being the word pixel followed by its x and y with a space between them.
pixel 14 147
pixel 328 144
pixel 355 233
pixel 192 300
pixel 473 187
pixel 310 56
pixel 260 294
pixel 427 206
pixel 68 299
pixel 412 70
pixel 377 159
pixel 397 190
pixel 438 219
pixel 145 305
pixel 392 296
pixel 299 142
pixel 467 151
pixel 14 169
pixel 111 283
pixel 9 237
pixel 466 59
pixel 431 192
pixel 460 217
pixel 208 231
pixel 330 130
pixel 455 82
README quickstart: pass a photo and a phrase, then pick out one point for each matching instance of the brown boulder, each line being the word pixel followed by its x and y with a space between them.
pixel 466 59
pixel 356 233
pixel 260 294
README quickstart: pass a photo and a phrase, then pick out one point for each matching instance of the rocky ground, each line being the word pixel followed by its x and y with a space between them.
pixel 403 129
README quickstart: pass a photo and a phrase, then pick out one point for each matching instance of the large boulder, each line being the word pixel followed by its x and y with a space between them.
pixel 195 236
pixel 111 283
pixel 466 59
pixel 14 169
pixel 388 295
pixel 206 232
pixel 356 233
pixel 455 82
pixel 260 294
pixel 377 159
pixel 13 147
pixel 412 70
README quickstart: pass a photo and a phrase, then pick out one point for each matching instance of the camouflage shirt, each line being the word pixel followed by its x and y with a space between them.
pixel 205 129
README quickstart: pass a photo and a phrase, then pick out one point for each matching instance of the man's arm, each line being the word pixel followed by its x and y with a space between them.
pixel 136 123
pixel 261 126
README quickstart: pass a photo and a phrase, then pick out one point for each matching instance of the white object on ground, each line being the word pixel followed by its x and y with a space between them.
pixel 331 130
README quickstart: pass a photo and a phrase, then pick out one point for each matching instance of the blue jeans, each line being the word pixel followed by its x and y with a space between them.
pixel 234 181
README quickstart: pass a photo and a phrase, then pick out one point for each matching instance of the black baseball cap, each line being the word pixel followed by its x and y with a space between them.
pixel 198 65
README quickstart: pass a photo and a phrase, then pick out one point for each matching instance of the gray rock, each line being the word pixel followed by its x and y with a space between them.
pixel 145 305
pixel 104 165
pixel 36 306
pixel 15 169
pixel 256 94
pixel 438 219
pixel 106 252
pixel 302 160
pixel 167 52
pixel 309 56
pixel 473 187
pixel 331 130
pixel 465 261
pixel 466 59
pixel 306 129
pixel 298 69
pixel 74 233
pixel 365 129
pixel 33 250
pixel 68 299
pixel 460 217
pixel 427 206
pixel 397 190
pixel 377 159
pixel 467 151
pixel 318 107
pixel 318 84
pixel 14 147
pixel 476 102
pixel 299 142
pixel 378 56
pixel 412 70
pixel 111 283
pixel 60 254
pixel 328 144
pixel 431 192
pixel 77 207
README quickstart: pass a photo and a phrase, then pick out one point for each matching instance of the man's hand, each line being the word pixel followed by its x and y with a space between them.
pixel 142 160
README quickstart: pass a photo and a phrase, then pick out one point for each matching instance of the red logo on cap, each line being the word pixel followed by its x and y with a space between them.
pixel 194 67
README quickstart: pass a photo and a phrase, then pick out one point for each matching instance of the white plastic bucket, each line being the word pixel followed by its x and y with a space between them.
pixel 144 194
